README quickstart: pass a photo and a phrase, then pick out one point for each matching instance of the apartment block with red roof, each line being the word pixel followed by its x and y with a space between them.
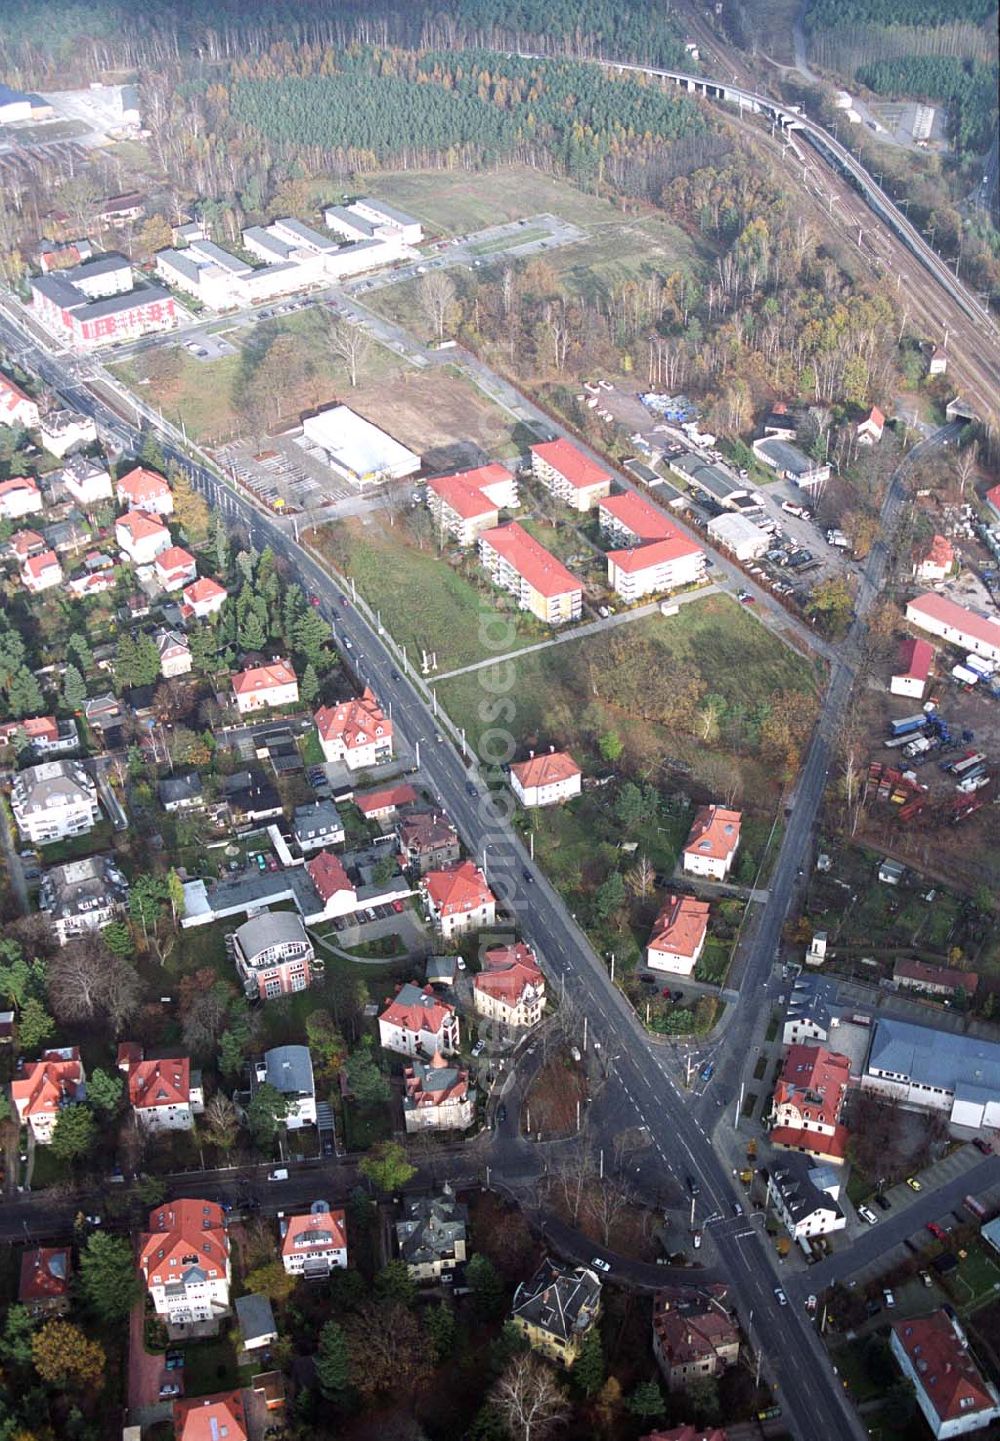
pixel 516 563
pixel 629 519
pixel 41 572
pixel 459 899
pixel 955 623
pixel 934 560
pixel 357 732
pixel 437 1096
pixel 141 536
pixel 16 406
pixel 468 502
pixel 165 1095
pixel 933 1354
pixel 662 565
pixel 264 686
pixel 916 657
pixel 510 989
pixel 204 598
pixel 678 936
pixel 184 1261
pixel 211 1418
pixel 808 1102
pixel 569 475
pixel 315 1244
pixel 547 779
pixel 712 842
pixel 46 1273
pixel 416 1022
pixel 175 568
pixel 19 497
pixel 143 489
pixel 45 1087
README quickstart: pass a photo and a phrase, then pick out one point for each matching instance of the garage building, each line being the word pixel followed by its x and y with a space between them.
pixel 936 1071
pixel 358 450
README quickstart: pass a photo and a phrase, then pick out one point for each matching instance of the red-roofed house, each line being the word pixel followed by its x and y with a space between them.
pixel 914 975
pixel 940 616
pixel 694 1334
pixel 712 843
pixel 19 497
pixel 915 660
pixel 571 476
pixel 25 543
pixel 357 732
pixel 469 502
pixel 870 429
pixel 316 1244
pixel 628 519
pixel 427 840
pixel 175 568
pixel 659 566
pixel 274 684
pixel 935 561
pixel 437 1097
pixel 16 407
pixel 42 572
pixel 809 1100
pixel 333 884
pixel 44 1087
pixel 142 537
pixel 541 584
pixel 165 1095
pixel 184 1261
pixel 459 899
pixel 211 1418
pixel 510 988
pixel 416 1022
pixel 36 729
pixel 377 805
pixel 94 582
pixel 45 1280
pixel 933 1353
pixel 143 489
pixel 546 780
pixel 202 599
pixel 678 937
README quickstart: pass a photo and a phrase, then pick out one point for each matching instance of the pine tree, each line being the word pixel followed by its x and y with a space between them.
pixel 74 690
pixel 309 684
pixel 252 634
pixel 24 694
pixel 588 1369
pixel 333 1359
pixel 78 647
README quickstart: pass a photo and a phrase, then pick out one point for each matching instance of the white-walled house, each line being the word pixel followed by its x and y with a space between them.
pixel 678 936
pixel 289 1070
pixel 316 1244
pixel 54 800
pixel 546 780
pixel 141 537
pixel 712 842
pixel 417 1022
pixel 264 686
pixel 43 1088
pixel 19 497
pixel 165 1095
pixel 357 732
pixel 458 898
pixel 184 1261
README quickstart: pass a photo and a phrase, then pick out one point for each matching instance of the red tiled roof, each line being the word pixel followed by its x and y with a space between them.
pixel 948 612
pixel 545 770
pixel 40 727
pixel 940 552
pixel 571 463
pixel 18 482
pixel 391 796
pixel 508 971
pixel 160 1083
pixel 451 1087
pixel 138 524
pixel 36 565
pixel 921 972
pixel 915 658
pixel 948 1376
pixel 142 485
pixel 202 590
pixel 876 417
pixel 815 1081
pixel 465 499
pixel 681 925
pixel 211 1418
pixel 26 540
pixel 461 887
pixel 355 722
pixel 11 395
pixel 176 558
pixel 181 1230
pixel 263 677
pixel 716 832
pixel 328 875
pixel 44 1084
pixel 813 1143
pixel 45 1273
pixel 321 1230
pixel 415 1010
pixel 992 496
pixel 637 515
pixel 533 563
pixel 658 552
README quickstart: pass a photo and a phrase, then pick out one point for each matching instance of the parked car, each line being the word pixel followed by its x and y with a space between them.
pixel 883 1202
pixel 599 1264
pixel 693 1188
pixel 737 1209
pixel 867 1214
pixel 168 1389
pixel 707 1071
pixel 174 1360
pixel 398 907
pixel 913 1183
pixel 470 788
pixel 479 1048
pixel 529 878
pixel 927 1278
pixel 280 1173
pixel 938 1232
pixel 888 1298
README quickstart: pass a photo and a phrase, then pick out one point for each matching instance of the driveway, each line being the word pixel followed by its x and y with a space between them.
pixel 146 1373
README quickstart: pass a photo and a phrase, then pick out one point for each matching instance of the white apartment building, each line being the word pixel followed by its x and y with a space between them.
pixel 184 1261
pixel 54 800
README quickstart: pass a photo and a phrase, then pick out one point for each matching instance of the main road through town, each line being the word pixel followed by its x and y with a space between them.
pixel 794 1359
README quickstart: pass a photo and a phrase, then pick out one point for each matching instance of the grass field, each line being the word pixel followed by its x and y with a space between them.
pixel 557 694
pixel 424 602
pixel 442 416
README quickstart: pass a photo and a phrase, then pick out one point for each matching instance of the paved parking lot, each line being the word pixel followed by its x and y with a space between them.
pixel 286 474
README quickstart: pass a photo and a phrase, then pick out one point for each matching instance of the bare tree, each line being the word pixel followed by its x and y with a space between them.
pixel 352 345
pixel 221 1121
pixel 530 1399
pixel 607 1202
pixel 639 880
pixel 966 467
pixel 85 980
pixel 437 297
pixel 572 1174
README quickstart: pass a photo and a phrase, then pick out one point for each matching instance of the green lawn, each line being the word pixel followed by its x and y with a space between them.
pixel 425 602
pixel 209 1366
pixel 977 1278
pixel 366 1124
